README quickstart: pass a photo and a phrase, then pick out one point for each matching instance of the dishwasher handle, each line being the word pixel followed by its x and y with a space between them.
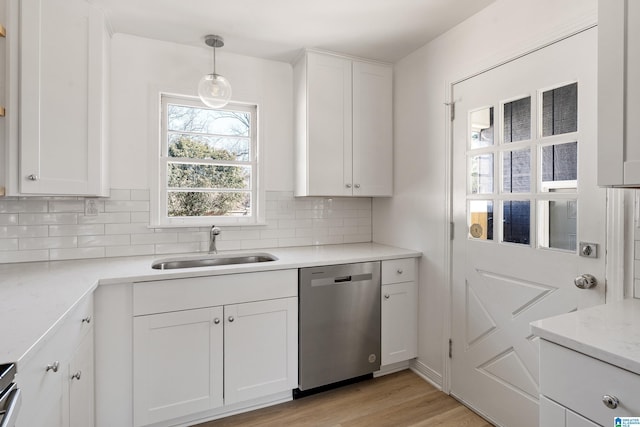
pixel 341 280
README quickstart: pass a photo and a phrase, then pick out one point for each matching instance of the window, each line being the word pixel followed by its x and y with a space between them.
pixel 208 163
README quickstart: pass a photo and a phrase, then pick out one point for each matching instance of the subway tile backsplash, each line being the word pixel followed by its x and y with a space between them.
pixel 41 229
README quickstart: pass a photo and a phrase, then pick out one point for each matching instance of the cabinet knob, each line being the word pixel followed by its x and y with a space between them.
pixel 610 402
pixel 86 320
pixel 231 319
pixel 32 177
pixel 400 271
pixel 53 367
pixel 76 376
pixel 216 321
pixel 357 185
pixel 386 296
pixel 348 185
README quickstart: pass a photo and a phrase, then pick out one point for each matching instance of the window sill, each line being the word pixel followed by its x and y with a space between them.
pixel 208 224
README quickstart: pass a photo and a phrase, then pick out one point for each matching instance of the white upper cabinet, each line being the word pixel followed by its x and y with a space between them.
pixel 344 133
pixel 60 139
pixel 618 93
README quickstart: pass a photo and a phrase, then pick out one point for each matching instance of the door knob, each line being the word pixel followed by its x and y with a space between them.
pixel 585 281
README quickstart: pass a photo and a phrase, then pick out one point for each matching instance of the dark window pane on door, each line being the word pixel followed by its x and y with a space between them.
pixel 516 171
pixel 515 221
pixel 560 110
pixel 560 162
pixel 517 120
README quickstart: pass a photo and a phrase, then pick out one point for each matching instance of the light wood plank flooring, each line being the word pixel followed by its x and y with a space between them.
pixel 400 399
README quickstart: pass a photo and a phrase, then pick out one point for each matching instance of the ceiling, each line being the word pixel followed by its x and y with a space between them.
pixel 385 30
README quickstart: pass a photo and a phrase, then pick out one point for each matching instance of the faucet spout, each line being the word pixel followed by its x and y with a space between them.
pixel 215 231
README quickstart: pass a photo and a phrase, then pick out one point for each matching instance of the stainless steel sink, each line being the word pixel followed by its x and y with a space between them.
pixel 211 260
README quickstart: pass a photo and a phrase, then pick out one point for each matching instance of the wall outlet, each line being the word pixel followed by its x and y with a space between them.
pixel 90 207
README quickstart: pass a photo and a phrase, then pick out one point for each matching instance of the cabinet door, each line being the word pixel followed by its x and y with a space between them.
pixel 61 97
pixel 372 129
pixel 399 322
pixel 261 352
pixel 177 364
pixel 329 125
pixel 81 382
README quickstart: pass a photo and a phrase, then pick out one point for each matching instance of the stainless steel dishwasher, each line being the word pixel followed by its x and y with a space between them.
pixel 339 331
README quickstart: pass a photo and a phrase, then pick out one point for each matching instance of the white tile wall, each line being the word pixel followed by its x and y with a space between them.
pixel 40 229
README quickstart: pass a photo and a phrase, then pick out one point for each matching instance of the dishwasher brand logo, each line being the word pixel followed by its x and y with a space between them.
pixel 626 421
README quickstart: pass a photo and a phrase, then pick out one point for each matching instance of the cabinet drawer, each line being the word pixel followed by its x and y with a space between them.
pixel 579 382
pixel 398 270
pixel 164 296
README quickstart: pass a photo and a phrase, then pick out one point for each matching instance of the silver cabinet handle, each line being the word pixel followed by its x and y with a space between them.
pixel 86 320
pixel 53 367
pixel 76 376
pixel 216 321
pixel 585 281
pixel 231 319
pixel 610 402
pixel 348 185
pixel 386 296
pixel 400 271
pixel 357 185
pixel 32 177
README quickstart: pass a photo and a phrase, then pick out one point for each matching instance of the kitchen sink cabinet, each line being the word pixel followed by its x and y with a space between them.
pixel 552 414
pixel 618 93
pixel 57 99
pixel 57 379
pixel 344 140
pixel 399 311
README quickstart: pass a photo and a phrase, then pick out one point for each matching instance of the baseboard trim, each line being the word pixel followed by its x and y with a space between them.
pixel 428 374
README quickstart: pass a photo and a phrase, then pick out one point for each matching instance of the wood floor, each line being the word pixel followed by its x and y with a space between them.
pixel 400 399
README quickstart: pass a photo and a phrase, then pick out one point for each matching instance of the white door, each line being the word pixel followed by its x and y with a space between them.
pixel 524 196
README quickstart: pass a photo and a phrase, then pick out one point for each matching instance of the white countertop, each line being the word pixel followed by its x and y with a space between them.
pixel 36 297
pixel 609 332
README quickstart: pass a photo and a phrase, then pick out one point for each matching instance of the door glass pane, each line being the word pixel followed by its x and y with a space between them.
pixel 560 110
pixel 517 120
pixel 560 162
pixel 557 224
pixel 481 128
pixel 515 221
pixel 481 174
pixel 516 171
pixel 481 219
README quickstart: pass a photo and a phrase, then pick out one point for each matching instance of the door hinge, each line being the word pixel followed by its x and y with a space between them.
pixel 452 109
pixel 450 348
pixel 451 230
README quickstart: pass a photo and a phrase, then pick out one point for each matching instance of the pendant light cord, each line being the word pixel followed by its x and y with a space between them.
pixel 214 60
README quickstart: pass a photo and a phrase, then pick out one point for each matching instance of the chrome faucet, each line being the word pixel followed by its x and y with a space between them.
pixel 212 239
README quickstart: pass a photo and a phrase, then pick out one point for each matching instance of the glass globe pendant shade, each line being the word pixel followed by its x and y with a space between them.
pixel 214 90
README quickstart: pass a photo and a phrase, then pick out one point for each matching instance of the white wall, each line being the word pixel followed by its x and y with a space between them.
pixel 141 67
pixel 416 217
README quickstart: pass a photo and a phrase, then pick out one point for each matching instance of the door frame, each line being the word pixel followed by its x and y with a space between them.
pixel 616 222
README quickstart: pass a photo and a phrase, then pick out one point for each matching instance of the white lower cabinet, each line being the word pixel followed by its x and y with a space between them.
pixel 399 311
pixel 191 364
pixel 57 379
pixel 572 399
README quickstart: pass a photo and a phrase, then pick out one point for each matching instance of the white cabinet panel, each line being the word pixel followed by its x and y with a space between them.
pixel 177 364
pixel 399 322
pixel 344 137
pixel 261 355
pixel 62 91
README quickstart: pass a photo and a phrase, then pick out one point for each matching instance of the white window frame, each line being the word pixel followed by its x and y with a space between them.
pixel 159 214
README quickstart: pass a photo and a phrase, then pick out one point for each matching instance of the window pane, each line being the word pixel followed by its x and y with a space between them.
pixel 481 128
pixel 182 175
pixel 209 147
pixel 481 174
pixel 186 204
pixel 203 120
pixel 560 162
pixel 481 219
pixel 517 120
pixel 515 221
pixel 516 171
pixel 560 110
pixel 557 226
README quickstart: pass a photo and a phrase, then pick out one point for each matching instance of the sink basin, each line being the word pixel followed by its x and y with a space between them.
pixel 211 261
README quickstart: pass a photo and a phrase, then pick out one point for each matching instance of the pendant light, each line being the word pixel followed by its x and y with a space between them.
pixel 214 90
